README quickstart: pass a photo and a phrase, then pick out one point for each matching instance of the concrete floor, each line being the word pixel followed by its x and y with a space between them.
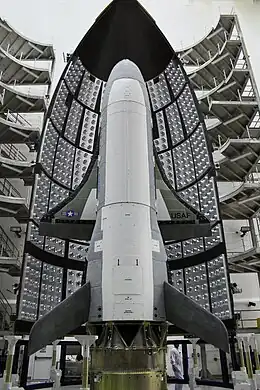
pixel 186 387
pixel 170 387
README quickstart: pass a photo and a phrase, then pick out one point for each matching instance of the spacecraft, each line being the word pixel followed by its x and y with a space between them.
pixel 127 299
pixel 127 273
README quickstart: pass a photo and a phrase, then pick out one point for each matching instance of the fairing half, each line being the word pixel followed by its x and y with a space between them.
pixel 68 166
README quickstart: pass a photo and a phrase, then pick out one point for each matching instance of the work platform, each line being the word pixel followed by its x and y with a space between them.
pixel 245 261
pixel 220 70
pixel 236 158
pixel 14 129
pixel 243 202
pixel 16 71
pixel 21 47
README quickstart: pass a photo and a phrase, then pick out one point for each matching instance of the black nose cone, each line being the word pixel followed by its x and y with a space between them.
pixel 124 30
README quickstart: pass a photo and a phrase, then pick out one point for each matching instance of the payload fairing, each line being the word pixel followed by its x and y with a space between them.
pixel 127 273
pixel 145 145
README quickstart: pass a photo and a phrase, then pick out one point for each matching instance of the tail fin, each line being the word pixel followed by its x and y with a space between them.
pixel 191 317
pixel 64 318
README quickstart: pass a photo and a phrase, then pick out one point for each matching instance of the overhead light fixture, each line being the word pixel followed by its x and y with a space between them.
pixel 17 230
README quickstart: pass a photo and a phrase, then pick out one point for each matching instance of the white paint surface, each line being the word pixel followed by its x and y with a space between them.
pixel 127 271
pixel 127 163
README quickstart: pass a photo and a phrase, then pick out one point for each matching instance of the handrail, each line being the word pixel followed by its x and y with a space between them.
pixel 6 315
pixel 15 117
pixel 3 319
pixel 13 152
pixel 6 303
pixel 7 247
pixel 7 189
pixel 231 254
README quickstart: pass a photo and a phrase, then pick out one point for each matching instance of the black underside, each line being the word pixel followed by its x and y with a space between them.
pixel 124 31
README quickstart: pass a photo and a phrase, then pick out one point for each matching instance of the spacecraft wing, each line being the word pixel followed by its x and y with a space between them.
pixel 171 231
pixel 68 230
pixel 64 318
pixel 185 313
pixel 193 223
pixel 67 218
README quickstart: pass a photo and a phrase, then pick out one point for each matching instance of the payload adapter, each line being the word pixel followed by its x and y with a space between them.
pixel 127 295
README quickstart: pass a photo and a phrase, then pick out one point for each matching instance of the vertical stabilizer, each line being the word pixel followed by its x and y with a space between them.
pixel 185 313
pixel 64 318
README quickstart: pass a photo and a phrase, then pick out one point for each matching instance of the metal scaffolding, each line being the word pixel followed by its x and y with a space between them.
pixel 26 70
pixel 220 71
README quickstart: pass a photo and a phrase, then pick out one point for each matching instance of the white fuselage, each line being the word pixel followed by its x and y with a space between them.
pixel 127 273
